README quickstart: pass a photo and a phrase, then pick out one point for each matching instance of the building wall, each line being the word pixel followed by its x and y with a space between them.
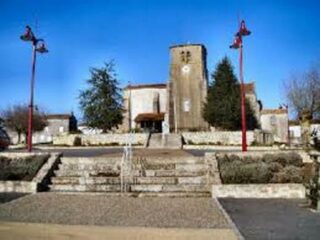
pixel 187 87
pixel 142 100
pixel 54 128
pixel 252 98
pixel 276 122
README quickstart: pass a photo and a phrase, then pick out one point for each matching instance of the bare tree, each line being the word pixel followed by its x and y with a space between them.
pixel 16 119
pixel 302 91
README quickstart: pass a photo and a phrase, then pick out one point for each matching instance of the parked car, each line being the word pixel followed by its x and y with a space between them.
pixel 4 139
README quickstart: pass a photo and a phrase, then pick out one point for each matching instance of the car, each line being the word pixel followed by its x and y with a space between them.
pixel 4 139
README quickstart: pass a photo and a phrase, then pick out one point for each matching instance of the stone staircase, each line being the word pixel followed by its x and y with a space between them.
pixel 87 175
pixel 171 140
pixel 174 177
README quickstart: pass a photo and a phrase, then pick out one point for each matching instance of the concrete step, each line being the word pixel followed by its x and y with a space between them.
pixel 169 188
pixel 90 160
pixel 172 180
pixel 144 194
pixel 85 180
pixel 173 141
pixel 175 194
pixel 169 173
pixel 85 188
pixel 171 166
pixel 169 159
pixel 88 167
pixel 86 173
pixel 156 180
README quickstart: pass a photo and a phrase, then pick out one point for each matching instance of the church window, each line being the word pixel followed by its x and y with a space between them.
pixel 183 57
pixel 188 57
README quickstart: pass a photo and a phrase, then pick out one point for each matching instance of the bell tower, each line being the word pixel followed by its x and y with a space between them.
pixel 187 88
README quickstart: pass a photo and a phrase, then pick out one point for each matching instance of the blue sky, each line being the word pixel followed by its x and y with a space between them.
pixel 137 35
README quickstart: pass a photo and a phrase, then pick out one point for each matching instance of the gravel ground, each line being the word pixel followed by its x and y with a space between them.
pixel 273 218
pixel 115 211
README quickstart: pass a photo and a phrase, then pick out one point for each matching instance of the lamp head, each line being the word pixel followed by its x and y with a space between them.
pixel 41 48
pixel 243 31
pixel 28 35
pixel 236 43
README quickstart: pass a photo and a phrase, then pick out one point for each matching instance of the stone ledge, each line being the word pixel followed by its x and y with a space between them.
pixel 259 191
pixel 38 182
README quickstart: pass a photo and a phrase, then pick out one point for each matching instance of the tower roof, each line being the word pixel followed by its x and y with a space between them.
pixel 140 86
pixel 188 45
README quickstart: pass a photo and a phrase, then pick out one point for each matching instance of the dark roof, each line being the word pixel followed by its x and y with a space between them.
pixel 58 116
pixel 149 117
pixel 157 85
pixel 274 111
pixel 187 45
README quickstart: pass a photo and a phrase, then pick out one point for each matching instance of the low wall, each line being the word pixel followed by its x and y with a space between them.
pixel 259 191
pixel 39 182
pixel 101 139
pixel 217 137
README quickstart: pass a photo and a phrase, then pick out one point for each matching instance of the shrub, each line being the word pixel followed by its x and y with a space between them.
pixel 284 159
pixel 271 168
pixel 21 168
pixel 236 172
pixel 289 174
pixel 77 141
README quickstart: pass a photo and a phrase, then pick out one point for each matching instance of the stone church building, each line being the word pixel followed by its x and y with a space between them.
pixel 177 105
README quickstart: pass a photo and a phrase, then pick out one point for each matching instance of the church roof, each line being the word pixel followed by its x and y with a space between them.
pixel 274 111
pixel 157 85
pixel 149 117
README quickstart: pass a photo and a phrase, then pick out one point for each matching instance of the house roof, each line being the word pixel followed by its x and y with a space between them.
pixel 140 86
pixel 58 116
pixel 249 88
pixel 149 117
pixel 274 111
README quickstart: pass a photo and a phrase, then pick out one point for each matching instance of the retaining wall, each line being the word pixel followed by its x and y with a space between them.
pixel 100 139
pixel 259 191
pixel 39 182
pixel 217 137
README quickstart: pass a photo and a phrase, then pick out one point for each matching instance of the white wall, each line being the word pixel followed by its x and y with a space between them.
pixel 142 101
pixel 276 124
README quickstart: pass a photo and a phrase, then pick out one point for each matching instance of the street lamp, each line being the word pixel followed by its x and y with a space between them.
pixel 38 45
pixel 237 44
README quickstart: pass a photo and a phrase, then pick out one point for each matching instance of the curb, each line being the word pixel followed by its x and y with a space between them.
pixel 226 215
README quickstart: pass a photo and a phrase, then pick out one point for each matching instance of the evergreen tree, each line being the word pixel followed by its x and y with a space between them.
pixel 101 103
pixel 223 106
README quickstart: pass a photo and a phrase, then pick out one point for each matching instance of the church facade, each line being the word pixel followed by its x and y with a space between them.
pixel 177 105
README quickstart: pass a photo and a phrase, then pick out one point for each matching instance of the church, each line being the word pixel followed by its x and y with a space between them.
pixel 177 105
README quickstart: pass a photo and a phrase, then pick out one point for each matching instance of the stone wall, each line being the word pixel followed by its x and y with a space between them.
pixel 217 137
pixel 259 191
pixel 100 139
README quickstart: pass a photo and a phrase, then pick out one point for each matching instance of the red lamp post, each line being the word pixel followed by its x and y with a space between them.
pixel 37 46
pixel 237 44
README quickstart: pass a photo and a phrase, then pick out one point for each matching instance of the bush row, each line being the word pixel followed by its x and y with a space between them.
pixel 270 168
